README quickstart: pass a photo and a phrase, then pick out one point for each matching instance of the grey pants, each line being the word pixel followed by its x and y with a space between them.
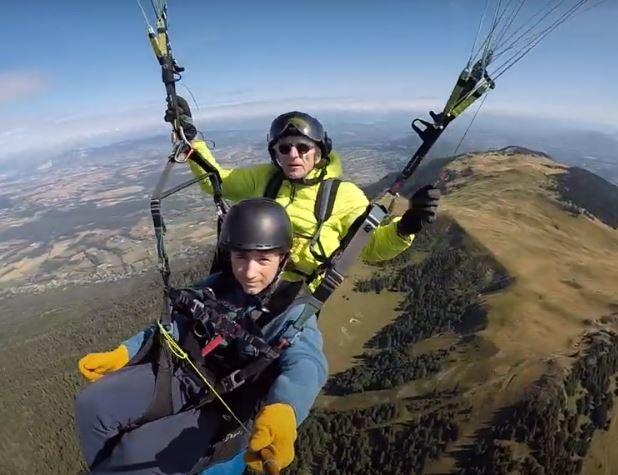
pixel 171 445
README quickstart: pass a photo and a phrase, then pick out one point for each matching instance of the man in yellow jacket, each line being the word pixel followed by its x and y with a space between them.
pixel 302 155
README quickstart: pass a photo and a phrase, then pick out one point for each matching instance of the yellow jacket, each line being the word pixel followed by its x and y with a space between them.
pixel 299 200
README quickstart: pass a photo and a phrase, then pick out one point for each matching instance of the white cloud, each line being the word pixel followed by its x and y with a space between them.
pixel 52 137
pixel 23 137
pixel 19 85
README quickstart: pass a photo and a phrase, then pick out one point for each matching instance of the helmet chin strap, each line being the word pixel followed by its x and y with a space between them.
pixel 267 293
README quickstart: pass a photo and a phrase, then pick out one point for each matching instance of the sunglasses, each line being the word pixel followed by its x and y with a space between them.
pixel 286 148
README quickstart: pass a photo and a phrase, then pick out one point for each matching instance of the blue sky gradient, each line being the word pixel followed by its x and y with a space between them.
pixel 83 70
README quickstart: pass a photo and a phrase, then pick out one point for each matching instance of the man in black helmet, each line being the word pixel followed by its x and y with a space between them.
pixel 199 432
pixel 302 159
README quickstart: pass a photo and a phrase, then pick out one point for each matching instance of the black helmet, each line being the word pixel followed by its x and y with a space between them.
pixel 256 224
pixel 299 123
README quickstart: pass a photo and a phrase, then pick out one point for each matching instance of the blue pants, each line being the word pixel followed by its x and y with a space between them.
pixel 171 445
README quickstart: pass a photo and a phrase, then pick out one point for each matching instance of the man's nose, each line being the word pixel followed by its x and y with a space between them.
pixel 294 152
pixel 251 271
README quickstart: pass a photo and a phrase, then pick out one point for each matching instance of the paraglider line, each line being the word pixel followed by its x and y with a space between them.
pixel 144 14
pixel 478 32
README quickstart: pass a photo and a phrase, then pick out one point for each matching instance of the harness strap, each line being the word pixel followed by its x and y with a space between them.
pixel 323 210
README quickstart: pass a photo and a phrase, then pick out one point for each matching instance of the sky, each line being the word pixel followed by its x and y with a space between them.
pixel 83 73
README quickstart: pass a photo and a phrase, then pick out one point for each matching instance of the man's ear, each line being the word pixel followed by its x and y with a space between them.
pixel 318 155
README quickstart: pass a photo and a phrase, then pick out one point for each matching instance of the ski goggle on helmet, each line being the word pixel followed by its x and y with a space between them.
pixel 298 123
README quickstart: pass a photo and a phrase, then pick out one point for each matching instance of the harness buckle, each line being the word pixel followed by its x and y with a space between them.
pixel 197 305
pixel 229 382
pixel 295 336
pixel 286 341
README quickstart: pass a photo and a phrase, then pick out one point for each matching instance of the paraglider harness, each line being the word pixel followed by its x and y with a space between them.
pixel 472 84
pixel 202 355
pixel 201 306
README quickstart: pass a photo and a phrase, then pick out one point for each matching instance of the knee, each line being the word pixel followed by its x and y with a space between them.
pixel 89 405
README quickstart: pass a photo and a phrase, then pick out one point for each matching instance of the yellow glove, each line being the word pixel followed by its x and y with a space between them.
pixel 274 428
pixel 94 365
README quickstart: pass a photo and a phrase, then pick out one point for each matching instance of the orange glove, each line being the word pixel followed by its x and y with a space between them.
pixel 274 428
pixel 95 365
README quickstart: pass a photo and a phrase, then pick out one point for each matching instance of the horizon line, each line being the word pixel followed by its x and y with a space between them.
pixel 108 128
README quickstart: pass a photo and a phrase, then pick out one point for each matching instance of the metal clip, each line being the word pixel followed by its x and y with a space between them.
pixel 197 305
pixel 229 383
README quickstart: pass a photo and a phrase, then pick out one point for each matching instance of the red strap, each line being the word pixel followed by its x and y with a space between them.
pixel 212 344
